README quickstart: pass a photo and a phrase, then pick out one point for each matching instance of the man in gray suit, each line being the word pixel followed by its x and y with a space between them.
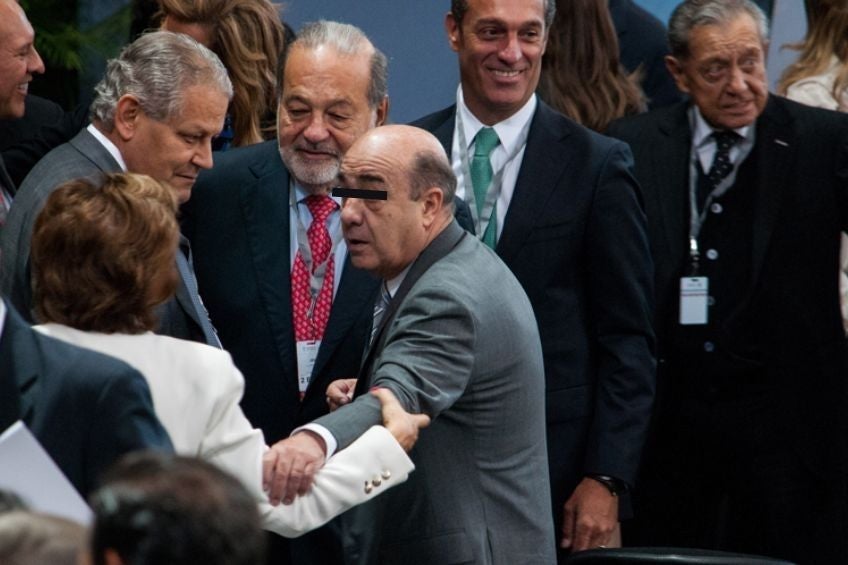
pixel 454 337
pixel 155 112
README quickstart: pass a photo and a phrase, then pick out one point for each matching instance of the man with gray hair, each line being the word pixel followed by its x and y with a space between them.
pixel 270 262
pixel 156 111
pixel 746 194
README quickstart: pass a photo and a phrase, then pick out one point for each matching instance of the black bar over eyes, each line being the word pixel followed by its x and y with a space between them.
pixel 342 192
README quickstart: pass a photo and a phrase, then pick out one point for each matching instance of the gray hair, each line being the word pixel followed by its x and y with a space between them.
pixel 32 537
pixel 348 40
pixel 157 68
pixel 431 169
pixel 459 7
pixel 693 13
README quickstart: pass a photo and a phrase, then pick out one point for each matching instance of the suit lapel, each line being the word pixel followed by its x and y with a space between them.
pixel 546 158
pixel 356 290
pixel 438 248
pixel 264 203
pixel 670 168
pixel 775 146
pixel 20 365
pixel 444 132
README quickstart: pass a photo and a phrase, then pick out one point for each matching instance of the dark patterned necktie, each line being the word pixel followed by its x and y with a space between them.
pixel 721 167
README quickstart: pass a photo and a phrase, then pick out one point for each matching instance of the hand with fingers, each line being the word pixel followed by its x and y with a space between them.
pixel 403 425
pixel 340 392
pixel 591 517
pixel 289 466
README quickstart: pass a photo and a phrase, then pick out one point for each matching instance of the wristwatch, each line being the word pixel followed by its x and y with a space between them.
pixel 615 486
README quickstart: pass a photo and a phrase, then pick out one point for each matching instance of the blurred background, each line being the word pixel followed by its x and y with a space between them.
pixel 75 37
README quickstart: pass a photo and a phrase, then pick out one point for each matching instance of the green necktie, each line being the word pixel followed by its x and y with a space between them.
pixel 481 176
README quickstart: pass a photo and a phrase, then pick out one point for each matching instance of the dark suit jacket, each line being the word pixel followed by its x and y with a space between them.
pixel 575 238
pixel 238 223
pixel 642 43
pixel 82 157
pixel 85 408
pixel 800 208
pixel 45 125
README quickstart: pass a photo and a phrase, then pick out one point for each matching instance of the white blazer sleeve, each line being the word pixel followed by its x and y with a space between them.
pixel 232 443
pixel 372 464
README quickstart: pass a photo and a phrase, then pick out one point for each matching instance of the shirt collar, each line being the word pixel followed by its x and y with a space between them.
pixel 701 130
pixel 301 194
pixel 512 131
pixel 393 284
pixel 2 316
pixel 107 143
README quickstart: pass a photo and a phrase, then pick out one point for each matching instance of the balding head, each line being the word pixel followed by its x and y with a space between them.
pixel 409 165
pixel 19 60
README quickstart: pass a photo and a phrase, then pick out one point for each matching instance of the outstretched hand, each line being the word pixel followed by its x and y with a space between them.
pixel 402 425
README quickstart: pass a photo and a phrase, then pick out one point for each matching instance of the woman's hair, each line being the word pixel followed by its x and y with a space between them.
pixel 582 76
pixel 827 35
pixel 249 38
pixel 103 254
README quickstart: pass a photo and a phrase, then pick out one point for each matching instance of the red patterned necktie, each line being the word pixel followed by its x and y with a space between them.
pixel 306 327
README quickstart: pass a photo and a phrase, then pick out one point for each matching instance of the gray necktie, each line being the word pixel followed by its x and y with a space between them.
pixel 380 307
pixel 187 273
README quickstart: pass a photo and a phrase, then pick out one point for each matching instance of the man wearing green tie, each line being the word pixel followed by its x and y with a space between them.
pixel 560 206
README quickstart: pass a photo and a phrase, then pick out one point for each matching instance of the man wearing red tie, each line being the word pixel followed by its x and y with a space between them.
pixel 271 265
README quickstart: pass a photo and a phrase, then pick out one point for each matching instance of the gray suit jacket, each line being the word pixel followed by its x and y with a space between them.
pixel 82 157
pixel 466 352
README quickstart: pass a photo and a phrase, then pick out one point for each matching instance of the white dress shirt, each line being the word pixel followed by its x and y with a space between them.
pixel 512 133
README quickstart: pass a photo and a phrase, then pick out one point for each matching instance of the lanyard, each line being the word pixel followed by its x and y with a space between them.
pixel 318 272
pixel 493 191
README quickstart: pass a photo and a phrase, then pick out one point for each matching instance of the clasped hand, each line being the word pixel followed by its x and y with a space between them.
pixel 290 465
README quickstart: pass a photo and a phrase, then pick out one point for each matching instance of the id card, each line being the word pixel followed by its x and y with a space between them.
pixel 694 300
pixel 307 351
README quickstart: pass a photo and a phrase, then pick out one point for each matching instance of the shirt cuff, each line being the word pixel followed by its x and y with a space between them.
pixel 329 439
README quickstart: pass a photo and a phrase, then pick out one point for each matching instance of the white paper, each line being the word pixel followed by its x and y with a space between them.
pixel 27 470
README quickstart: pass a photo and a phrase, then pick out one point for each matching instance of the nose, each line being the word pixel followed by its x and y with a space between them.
pixel 34 63
pixel 351 212
pixel 203 156
pixel 316 131
pixel 737 83
pixel 511 51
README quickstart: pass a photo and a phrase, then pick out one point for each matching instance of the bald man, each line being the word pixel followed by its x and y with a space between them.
pixel 450 344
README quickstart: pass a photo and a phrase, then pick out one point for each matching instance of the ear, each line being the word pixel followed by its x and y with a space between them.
pixel 454 32
pixel 432 202
pixel 675 67
pixel 382 111
pixel 127 114
pixel 111 557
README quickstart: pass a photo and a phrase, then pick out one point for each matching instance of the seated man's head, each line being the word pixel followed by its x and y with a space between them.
pixel 409 167
pixel 161 102
pixel 30 538
pixel 158 508
pixel 103 255
pixel 718 50
pixel 18 59
pixel 332 90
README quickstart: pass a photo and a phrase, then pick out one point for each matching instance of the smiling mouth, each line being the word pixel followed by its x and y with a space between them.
pixel 501 73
